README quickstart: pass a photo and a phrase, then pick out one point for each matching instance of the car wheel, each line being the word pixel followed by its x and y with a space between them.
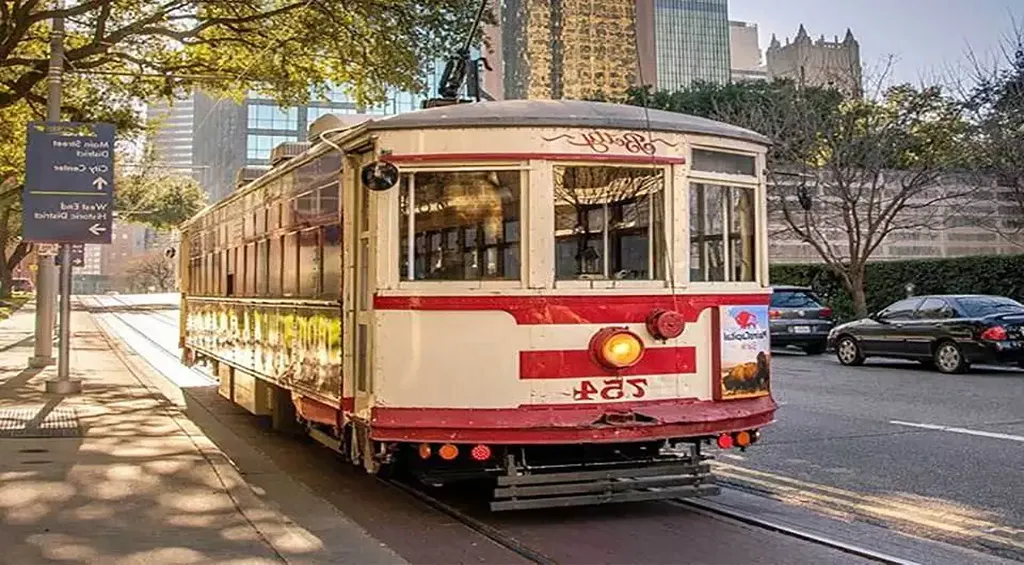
pixel 949 359
pixel 848 351
pixel 815 348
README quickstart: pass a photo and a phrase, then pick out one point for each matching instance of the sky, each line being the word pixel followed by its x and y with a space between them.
pixel 928 38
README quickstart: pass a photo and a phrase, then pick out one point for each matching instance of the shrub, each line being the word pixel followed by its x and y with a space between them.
pixel 885 282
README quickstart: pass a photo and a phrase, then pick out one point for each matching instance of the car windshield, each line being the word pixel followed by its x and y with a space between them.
pixel 795 299
pixel 981 306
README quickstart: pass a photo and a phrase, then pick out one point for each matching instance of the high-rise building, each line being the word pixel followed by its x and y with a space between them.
pixel 215 138
pixel 555 49
pixel 172 141
pixel 817 63
pixel 691 41
pixel 745 52
pixel 230 136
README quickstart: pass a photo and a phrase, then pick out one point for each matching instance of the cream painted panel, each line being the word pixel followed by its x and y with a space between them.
pixel 447 360
pixel 527 140
pixel 655 387
pixel 562 337
pixel 471 359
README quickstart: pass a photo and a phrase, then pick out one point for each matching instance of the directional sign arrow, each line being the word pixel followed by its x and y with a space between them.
pixel 96 229
pixel 99 183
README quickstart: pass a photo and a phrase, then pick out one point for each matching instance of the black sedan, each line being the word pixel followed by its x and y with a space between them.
pixel 948 331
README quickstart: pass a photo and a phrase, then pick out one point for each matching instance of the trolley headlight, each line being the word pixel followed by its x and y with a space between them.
pixel 616 348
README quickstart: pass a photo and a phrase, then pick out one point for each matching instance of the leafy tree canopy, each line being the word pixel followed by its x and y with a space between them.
pixel 283 48
pixel 118 52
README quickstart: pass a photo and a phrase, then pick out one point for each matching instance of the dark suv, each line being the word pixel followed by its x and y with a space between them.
pixel 799 319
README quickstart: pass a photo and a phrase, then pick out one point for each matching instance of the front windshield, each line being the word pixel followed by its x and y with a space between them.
pixel 981 306
pixel 608 222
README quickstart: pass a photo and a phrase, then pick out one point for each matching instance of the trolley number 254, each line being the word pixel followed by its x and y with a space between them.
pixel 610 389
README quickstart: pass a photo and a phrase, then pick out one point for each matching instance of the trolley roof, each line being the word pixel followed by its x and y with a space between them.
pixel 561 113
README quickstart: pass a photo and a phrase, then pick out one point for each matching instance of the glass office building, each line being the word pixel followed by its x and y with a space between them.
pixel 228 137
pixel 691 42
pixel 571 49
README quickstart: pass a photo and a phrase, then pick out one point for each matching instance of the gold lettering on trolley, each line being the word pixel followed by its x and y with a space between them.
pixel 602 141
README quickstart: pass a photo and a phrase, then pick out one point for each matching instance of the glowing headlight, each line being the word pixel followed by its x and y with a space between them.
pixel 617 348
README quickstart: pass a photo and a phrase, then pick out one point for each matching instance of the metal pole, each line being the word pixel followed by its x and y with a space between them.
pixel 62 384
pixel 45 276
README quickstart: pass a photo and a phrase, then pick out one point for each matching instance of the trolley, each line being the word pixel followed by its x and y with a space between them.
pixel 568 298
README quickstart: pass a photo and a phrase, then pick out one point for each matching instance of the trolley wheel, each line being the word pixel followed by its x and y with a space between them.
pixel 949 358
pixel 848 351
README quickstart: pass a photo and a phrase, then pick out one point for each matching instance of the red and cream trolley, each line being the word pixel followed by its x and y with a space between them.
pixel 571 297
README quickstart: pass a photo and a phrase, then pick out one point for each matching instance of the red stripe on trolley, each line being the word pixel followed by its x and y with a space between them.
pixel 570 364
pixel 434 157
pixel 592 309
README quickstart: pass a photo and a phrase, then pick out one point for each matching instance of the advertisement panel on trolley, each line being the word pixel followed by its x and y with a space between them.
pixel 746 351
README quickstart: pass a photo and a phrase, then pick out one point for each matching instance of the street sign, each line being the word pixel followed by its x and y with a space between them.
pixel 69 183
pixel 77 255
pixel 47 249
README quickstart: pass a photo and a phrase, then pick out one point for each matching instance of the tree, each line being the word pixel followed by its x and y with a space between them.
pixel 120 51
pixel 284 48
pixel 995 106
pixel 153 270
pixel 857 170
pixel 148 194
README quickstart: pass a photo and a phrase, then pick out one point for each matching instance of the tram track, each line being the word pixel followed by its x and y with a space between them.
pixel 490 532
pixel 495 533
pixel 708 509
pixel 751 520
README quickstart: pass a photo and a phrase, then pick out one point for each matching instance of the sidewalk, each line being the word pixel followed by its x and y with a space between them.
pixel 118 475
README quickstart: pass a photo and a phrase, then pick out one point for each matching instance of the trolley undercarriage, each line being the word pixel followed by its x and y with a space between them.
pixel 530 477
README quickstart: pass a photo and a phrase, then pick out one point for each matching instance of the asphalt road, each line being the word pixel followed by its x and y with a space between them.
pixel 863 441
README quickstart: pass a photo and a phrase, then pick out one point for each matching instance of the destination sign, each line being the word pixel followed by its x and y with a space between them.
pixel 69 183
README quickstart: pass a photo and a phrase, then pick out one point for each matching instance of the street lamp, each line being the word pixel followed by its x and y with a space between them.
pixel 909 287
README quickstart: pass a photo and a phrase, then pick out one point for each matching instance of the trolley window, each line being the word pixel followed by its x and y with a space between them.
pixel 722 237
pixel 609 223
pixel 464 225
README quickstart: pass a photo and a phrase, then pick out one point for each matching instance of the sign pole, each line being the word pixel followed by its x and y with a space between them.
pixel 64 384
pixel 45 295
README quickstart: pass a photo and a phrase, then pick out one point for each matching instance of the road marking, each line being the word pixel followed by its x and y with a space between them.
pixel 951 429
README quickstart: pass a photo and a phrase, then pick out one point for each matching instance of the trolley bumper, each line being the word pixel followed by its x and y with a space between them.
pixel 659 481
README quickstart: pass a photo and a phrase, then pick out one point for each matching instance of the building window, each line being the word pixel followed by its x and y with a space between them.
pixel 465 225
pixel 718 254
pixel 609 223
pixel 258 147
pixel 262 116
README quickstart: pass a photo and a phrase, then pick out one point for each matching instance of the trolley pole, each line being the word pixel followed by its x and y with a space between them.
pixel 45 279
pixel 63 384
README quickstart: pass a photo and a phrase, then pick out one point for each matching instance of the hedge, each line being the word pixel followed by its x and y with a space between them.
pixel 886 282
